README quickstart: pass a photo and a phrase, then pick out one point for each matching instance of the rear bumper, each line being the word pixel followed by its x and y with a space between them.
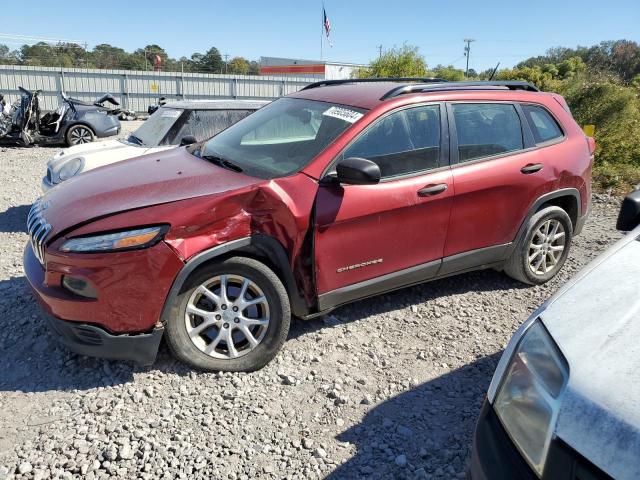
pixel 92 341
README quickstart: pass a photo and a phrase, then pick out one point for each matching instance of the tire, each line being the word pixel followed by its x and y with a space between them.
pixel 206 348
pixel 522 264
pixel 79 134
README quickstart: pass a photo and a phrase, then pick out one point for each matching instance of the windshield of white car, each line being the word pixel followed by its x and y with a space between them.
pixel 154 130
pixel 280 138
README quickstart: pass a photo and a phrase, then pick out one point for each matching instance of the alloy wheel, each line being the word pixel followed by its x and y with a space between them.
pixel 546 247
pixel 80 135
pixel 227 316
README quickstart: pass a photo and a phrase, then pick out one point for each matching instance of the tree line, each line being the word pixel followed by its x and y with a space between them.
pixel 106 56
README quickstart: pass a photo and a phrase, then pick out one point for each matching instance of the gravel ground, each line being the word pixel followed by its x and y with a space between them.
pixel 384 388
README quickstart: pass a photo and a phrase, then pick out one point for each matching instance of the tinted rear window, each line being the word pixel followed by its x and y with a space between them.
pixel 543 126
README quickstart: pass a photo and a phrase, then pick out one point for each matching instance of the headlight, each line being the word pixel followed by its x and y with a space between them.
pixel 70 168
pixel 529 398
pixel 129 240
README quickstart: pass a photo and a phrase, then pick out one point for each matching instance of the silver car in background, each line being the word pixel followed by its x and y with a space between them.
pixel 177 123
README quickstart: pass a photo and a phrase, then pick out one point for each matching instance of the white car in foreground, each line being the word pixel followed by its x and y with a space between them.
pixel 564 402
pixel 177 123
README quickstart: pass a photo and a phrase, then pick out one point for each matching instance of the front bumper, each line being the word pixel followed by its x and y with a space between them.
pixel 92 341
pixel 495 457
pixel 131 286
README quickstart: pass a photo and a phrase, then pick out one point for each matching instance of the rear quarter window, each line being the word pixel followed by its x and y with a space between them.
pixel 544 127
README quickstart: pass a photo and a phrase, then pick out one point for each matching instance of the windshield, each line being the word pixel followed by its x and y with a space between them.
pixel 204 124
pixel 281 138
pixel 152 132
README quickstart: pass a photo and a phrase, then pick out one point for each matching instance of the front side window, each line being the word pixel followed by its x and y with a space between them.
pixel 403 142
pixel 280 138
pixel 543 125
pixel 204 124
pixel 486 129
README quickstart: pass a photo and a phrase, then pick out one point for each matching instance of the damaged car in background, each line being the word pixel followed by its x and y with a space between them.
pixel 563 402
pixel 73 122
pixel 177 123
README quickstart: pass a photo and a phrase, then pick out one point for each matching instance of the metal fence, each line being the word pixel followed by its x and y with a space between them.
pixel 136 90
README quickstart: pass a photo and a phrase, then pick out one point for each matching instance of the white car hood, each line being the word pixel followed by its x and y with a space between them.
pixel 595 321
pixel 98 154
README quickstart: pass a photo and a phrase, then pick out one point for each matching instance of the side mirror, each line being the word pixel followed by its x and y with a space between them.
pixel 629 216
pixel 358 171
pixel 188 140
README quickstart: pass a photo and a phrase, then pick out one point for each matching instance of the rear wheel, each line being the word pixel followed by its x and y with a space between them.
pixel 233 316
pixel 541 252
pixel 79 134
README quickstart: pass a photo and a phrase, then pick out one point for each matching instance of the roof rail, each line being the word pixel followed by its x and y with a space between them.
pixel 325 83
pixel 480 85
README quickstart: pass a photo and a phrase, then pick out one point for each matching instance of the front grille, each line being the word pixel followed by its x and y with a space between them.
pixel 38 229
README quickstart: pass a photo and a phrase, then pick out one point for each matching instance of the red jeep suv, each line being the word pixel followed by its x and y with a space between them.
pixel 341 191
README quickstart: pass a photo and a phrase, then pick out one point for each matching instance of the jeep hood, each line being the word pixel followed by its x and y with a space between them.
pixel 140 182
pixel 595 322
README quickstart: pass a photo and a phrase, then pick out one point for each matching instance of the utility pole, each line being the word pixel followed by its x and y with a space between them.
pixel 467 53
pixel 379 47
pixel 226 61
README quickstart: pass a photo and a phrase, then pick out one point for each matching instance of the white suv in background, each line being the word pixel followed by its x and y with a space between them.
pixel 177 123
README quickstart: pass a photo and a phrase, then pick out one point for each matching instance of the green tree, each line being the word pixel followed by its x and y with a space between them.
pixel 404 61
pixel 449 73
pixel 534 75
pixel 238 65
pixel 209 62
pixel 570 67
pixel 254 68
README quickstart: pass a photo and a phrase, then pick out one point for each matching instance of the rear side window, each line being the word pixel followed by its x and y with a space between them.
pixel 543 126
pixel 486 129
pixel 403 142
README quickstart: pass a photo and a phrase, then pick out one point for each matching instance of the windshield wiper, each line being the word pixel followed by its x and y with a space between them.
pixel 222 162
pixel 133 139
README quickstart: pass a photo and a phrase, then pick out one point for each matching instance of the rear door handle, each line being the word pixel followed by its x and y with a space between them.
pixel 431 190
pixel 531 168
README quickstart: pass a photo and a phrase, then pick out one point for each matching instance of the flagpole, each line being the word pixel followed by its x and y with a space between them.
pixel 321 28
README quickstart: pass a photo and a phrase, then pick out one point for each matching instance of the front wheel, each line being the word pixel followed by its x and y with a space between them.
pixel 79 134
pixel 232 316
pixel 541 252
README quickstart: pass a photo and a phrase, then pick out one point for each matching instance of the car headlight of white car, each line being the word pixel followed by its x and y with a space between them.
pixel 529 396
pixel 70 168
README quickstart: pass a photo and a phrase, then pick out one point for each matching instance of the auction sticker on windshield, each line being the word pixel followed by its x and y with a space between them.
pixel 343 114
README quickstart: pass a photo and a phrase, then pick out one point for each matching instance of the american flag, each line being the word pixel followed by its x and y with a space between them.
pixel 327 25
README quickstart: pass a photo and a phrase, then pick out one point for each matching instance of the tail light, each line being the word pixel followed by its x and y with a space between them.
pixel 592 145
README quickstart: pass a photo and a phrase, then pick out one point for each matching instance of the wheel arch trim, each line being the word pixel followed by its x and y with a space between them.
pixel 535 206
pixel 263 243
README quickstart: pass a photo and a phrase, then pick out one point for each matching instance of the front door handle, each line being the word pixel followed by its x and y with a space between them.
pixel 431 190
pixel 531 168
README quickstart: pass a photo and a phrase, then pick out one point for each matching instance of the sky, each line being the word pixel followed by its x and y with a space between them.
pixel 504 31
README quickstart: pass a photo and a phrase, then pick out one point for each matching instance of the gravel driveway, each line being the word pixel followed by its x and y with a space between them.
pixel 383 388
